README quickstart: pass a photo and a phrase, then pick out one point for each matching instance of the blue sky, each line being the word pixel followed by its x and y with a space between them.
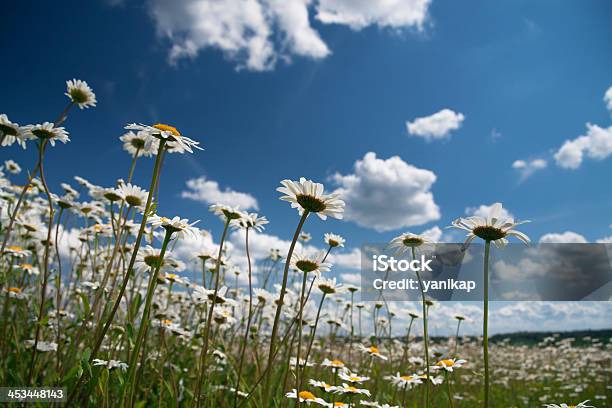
pixel 526 76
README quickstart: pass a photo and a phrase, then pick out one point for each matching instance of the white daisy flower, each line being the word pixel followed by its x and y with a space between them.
pixel 406 241
pixel 252 220
pixel 176 142
pixel 306 195
pixel 47 131
pixel 12 167
pixel 15 293
pixel 352 377
pixel 16 251
pixel 226 212
pixel 179 226
pixel 581 405
pixel 349 389
pixel 448 364
pixel 371 351
pixel 305 396
pixel 312 263
pixel 434 380
pixel 329 286
pixel 404 381
pixel 111 364
pixel 133 195
pixel 321 384
pixel 305 237
pixel 11 132
pixel 135 143
pixel 80 93
pixel 334 364
pixel 334 240
pixel 492 228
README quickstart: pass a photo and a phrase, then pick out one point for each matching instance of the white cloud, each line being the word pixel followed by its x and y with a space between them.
pixel 437 126
pixel 596 144
pixel 387 194
pixel 485 210
pixel 258 33
pixel 208 191
pixel 433 234
pixel 608 98
pixel 527 168
pixel 567 237
pixel 346 259
pixel 358 14
pixel 351 278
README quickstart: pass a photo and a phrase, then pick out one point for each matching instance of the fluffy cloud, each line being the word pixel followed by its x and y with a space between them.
pixel 437 126
pixel 527 168
pixel 485 210
pixel 567 237
pixel 608 98
pixel 387 194
pixel 358 14
pixel 257 33
pixel 208 191
pixel 433 234
pixel 346 259
pixel 596 144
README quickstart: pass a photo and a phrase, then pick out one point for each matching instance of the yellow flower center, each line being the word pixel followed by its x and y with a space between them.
pixel 167 322
pixel 307 395
pixel 26 266
pixel 15 248
pixel 164 219
pixel 167 128
pixel 171 276
pixel 14 290
pixel 354 379
pixel 406 377
pixel 373 349
pixel 350 388
pixel 337 363
pixel 446 363
pixel 339 404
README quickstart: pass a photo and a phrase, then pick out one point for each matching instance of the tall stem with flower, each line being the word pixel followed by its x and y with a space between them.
pixel 495 228
pixel 144 322
pixel 43 143
pixel 102 329
pixel 271 352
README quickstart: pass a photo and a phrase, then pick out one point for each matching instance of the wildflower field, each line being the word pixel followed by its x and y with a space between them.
pixel 116 319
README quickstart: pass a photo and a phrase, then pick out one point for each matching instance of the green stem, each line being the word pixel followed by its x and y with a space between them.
pixel 485 321
pixel 249 318
pixel 457 337
pixel 45 268
pixel 425 339
pixel 127 388
pixel 312 338
pixel 126 277
pixel 279 305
